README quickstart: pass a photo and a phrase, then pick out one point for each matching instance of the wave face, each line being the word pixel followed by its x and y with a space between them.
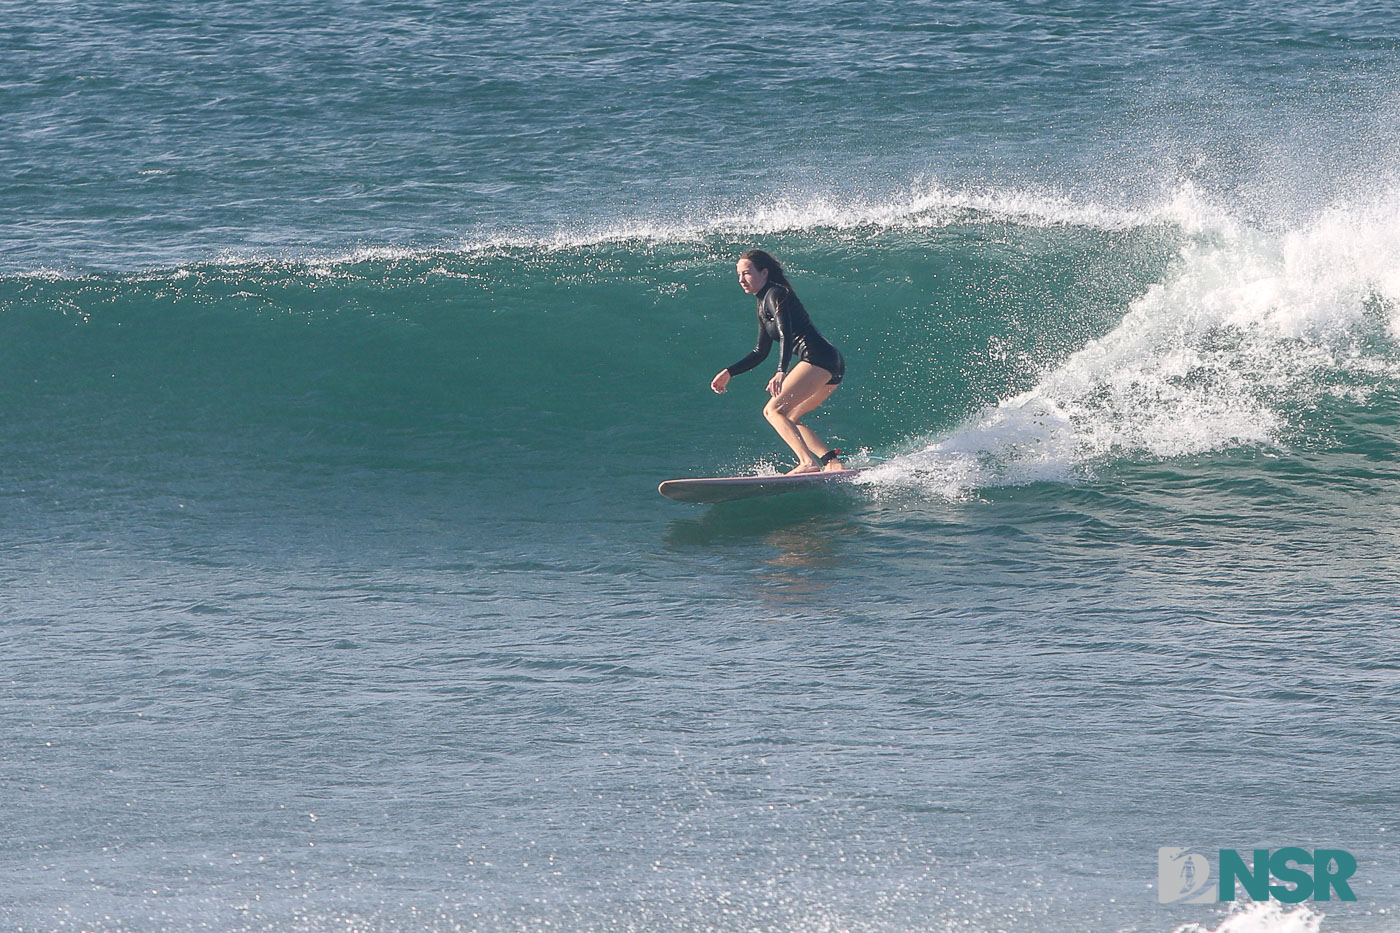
pixel 993 339
pixel 942 305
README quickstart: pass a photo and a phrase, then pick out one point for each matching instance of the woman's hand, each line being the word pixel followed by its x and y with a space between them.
pixel 720 382
pixel 775 385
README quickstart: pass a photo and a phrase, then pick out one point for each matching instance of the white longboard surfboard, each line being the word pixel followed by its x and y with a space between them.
pixel 710 489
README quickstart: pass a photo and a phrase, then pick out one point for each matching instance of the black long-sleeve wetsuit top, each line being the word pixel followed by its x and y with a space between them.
pixel 781 317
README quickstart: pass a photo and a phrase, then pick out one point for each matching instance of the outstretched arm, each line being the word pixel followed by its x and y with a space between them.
pixel 755 356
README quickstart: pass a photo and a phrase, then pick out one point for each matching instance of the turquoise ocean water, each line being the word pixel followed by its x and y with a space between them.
pixel 344 346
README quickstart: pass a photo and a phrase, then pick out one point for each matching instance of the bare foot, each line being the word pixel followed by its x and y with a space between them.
pixel 804 468
pixel 834 466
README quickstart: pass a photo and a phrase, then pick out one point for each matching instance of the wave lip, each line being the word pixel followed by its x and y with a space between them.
pixel 921 206
pixel 924 205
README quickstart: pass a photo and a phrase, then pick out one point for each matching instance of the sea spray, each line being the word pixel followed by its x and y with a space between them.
pixel 1249 330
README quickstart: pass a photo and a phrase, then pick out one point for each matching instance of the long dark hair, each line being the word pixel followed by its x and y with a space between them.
pixel 762 260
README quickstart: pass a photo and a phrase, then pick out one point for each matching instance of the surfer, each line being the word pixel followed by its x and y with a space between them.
pixel 809 382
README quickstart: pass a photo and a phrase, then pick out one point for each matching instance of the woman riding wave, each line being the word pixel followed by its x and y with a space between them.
pixel 797 388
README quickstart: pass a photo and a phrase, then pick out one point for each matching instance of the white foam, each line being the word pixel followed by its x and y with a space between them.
pixel 923 205
pixel 1262 917
pixel 46 274
pixel 1248 327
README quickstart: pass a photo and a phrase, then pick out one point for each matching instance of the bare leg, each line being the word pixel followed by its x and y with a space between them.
pixel 802 384
pixel 815 444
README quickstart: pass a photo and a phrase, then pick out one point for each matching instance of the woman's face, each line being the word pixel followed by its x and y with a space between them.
pixel 751 277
